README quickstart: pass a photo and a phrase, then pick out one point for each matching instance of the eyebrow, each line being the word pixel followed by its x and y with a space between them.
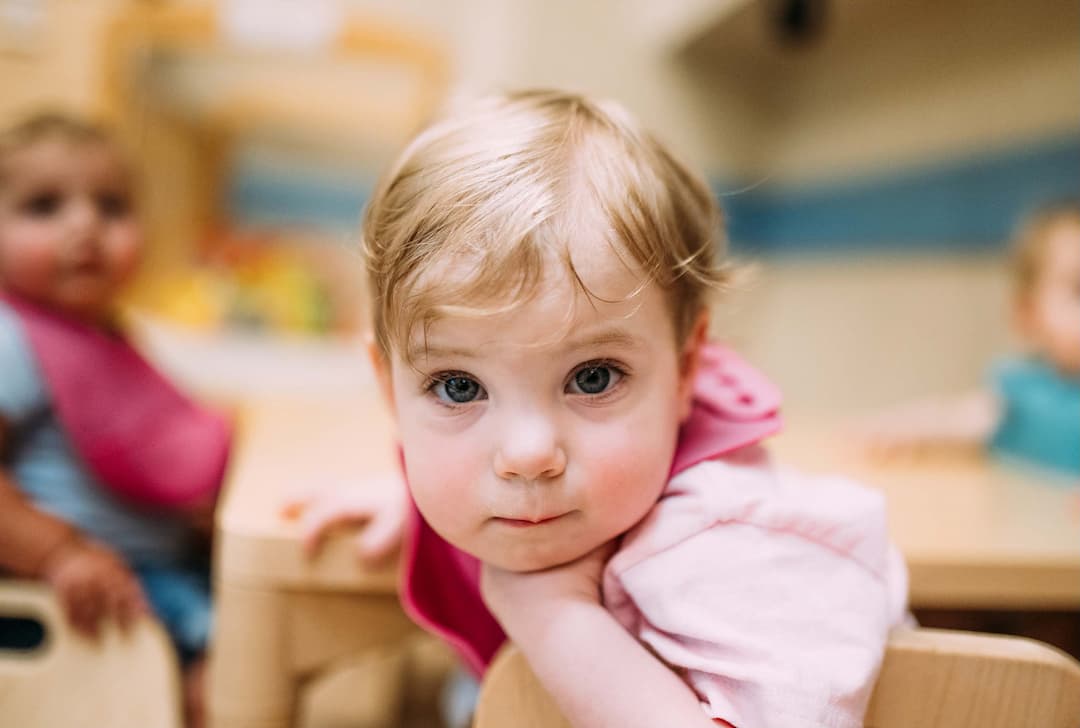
pixel 417 351
pixel 614 337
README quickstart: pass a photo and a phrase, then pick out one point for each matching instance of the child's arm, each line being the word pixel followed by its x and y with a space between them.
pixel 382 506
pixel 965 421
pixel 91 581
pixel 598 674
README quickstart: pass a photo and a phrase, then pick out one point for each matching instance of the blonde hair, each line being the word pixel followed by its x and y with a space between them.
pixel 490 192
pixel 1029 247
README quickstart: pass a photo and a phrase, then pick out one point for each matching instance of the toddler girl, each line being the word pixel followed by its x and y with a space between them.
pixel 586 468
pixel 104 466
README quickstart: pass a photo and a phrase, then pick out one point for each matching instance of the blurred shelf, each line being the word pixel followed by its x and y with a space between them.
pixel 367 77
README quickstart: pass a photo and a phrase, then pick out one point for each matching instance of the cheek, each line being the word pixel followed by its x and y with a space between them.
pixel 123 248
pixel 1059 317
pixel 624 482
pixel 445 474
pixel 27 255
pixel 622 469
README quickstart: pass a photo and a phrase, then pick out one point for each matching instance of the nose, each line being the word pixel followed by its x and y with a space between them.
pixel 530 450
pixel 83 220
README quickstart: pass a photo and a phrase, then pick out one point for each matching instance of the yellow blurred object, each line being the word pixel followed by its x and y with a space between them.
pixel 193 298
pixel 255 285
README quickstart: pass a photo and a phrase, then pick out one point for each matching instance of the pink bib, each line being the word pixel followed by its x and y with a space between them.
pixel 137 433
pixel 734 406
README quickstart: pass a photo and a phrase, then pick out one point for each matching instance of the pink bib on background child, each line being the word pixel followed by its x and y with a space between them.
pixel 734 406
pixel 142 438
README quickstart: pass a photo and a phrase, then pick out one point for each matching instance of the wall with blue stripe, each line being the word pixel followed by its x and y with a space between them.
pixel 965 204
pixel 969 204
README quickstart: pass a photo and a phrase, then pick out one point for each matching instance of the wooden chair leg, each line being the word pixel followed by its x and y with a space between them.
pixel 252 684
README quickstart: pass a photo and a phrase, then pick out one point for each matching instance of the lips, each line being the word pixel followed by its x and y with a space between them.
pixel 528 522
pixel 86 267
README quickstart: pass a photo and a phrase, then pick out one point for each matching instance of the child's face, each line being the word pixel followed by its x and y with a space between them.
pixel 1050 314
pixel 529 442
pixel 68 236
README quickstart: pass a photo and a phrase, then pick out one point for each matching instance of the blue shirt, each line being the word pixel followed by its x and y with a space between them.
pixel 1040 421
pixel 40 457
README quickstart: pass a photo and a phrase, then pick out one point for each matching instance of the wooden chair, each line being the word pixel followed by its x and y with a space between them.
pixel 930 678
pixel 121 681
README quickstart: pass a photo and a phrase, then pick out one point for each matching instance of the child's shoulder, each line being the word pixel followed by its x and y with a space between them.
pixel 750 569
pixel 20 385
pixel 747 491
pixel 1021 374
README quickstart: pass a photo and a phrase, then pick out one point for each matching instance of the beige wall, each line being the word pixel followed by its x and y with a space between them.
pixel 891 83
pixel 599 47
pixel 62 66
pixel 838 334
pixel 896 83
pixel 841 336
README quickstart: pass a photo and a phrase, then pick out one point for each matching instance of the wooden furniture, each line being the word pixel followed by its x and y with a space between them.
pixel 930 678
pixel 976 534
pixel 121 681
pixel 283 620
pixel 184 86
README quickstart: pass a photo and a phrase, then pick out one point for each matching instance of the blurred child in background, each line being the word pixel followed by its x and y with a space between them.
pixel 1030 411
pixel 106 471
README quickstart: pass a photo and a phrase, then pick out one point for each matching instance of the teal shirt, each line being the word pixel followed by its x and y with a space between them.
pixel 1041 415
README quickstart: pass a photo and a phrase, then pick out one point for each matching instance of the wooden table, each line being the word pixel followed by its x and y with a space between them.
pixel 975 533
pixel 282 619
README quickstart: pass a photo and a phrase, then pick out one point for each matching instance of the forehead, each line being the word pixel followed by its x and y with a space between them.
pixel 591 290
pixel 57 160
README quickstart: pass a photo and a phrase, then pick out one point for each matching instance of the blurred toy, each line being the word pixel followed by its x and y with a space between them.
pixel 262 283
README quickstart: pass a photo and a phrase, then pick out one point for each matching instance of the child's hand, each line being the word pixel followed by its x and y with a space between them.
pixel 903 433
pixel 93 583
pixel 959 424
pixel 382 505
pixel 518 597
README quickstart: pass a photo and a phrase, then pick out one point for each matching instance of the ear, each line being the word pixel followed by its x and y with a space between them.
pixel 381 367
pixel 689 361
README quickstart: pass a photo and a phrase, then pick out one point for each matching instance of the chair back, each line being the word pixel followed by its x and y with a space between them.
pixel 930 678
pixel 57 679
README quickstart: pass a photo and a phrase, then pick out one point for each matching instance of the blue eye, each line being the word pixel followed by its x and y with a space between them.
pixel 594 379
pixel 458 389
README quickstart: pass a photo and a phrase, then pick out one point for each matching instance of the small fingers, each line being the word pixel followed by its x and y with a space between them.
pixel 381 537
pixel 294 503
pixel 298 498
pixel 318 521
pixel 129 605
pixel 88 608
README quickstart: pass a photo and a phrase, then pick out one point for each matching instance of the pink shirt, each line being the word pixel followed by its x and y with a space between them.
pixel 771 593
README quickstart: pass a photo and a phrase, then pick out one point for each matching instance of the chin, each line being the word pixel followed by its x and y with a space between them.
pixel 532 557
